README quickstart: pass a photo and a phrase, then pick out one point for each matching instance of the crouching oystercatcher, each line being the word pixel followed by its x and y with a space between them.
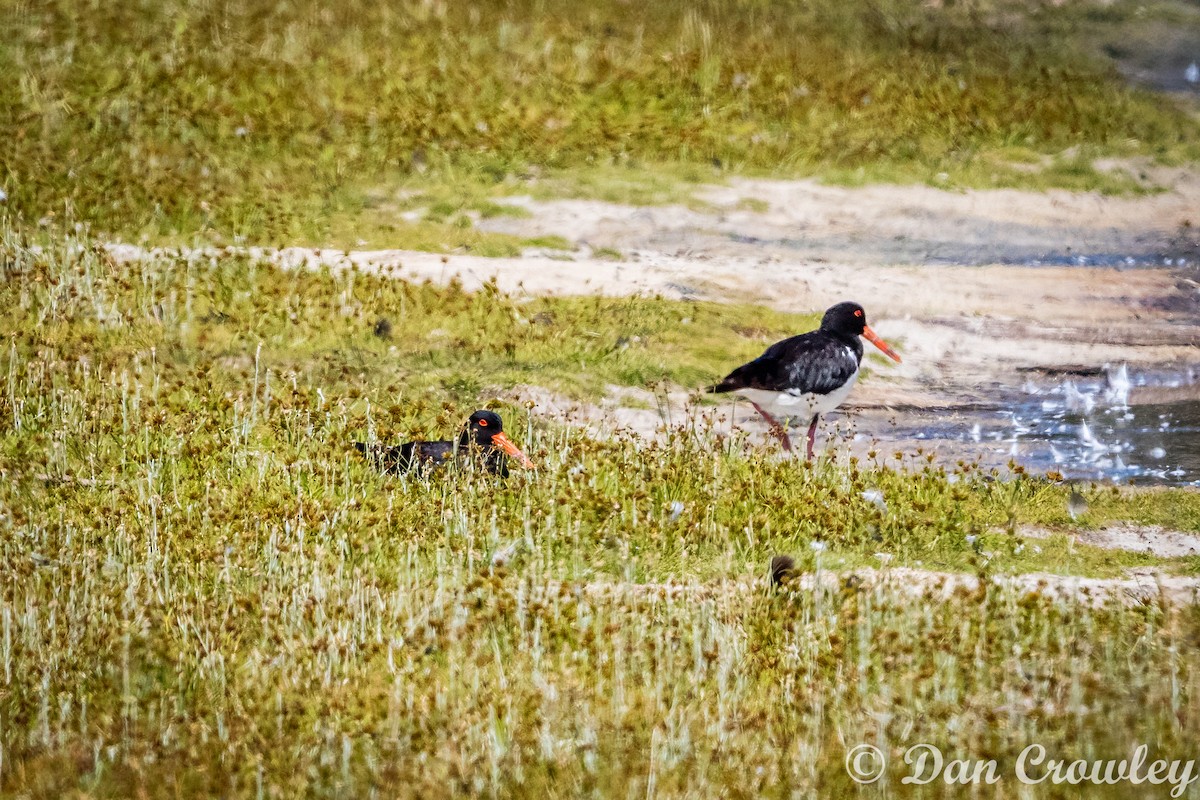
pixel 807 375
pixel 482 441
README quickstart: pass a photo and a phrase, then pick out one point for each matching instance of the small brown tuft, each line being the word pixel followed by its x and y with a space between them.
pixel 383 328
pixel 782 569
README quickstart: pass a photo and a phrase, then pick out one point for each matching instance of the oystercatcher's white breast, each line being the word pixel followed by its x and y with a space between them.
pixel 800 405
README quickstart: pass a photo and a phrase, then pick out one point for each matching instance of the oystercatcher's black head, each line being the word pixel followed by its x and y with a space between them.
pixel 486 430
pixel 849 319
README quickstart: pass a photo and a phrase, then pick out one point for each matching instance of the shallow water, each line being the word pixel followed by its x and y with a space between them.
pixel 1145 260
pixel 1027 251
pixel 1083 430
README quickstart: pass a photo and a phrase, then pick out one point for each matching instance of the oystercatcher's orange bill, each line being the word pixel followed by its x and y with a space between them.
pixel 874 339
pixel 507 446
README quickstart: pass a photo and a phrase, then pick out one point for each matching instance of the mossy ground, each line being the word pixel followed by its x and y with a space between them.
pixel 204 589
pixel 302 122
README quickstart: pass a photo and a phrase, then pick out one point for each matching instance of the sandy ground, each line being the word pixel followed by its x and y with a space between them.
pixel 950 276
pixel 805 220
pixel 1152 539
pixel 979 291
pixel 958 280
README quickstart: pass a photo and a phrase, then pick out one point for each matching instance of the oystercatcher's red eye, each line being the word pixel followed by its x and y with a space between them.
pixel 483 423
pixel 858 313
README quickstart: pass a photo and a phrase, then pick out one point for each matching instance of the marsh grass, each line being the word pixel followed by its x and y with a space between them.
pixel 280 121
pixel 204 590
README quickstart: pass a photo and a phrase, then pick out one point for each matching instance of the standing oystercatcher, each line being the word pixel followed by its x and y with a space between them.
pixel 807 375
pixel 482 438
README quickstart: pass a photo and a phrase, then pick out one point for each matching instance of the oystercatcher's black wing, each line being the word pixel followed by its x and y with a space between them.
pixel 811 362
pixel 403 457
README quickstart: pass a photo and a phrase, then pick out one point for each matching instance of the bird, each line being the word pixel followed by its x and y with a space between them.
pixel 806 375
pixel 482 439
pixel 783 568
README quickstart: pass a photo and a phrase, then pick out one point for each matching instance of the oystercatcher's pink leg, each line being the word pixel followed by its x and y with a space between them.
pixel 812 434
pixel 776 429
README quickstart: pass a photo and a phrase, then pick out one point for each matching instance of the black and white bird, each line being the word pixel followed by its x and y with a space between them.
pixel 482 441
pixel 807 375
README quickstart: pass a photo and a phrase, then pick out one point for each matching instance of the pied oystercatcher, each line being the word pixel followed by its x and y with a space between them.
pixel 482 439
pixel 807 375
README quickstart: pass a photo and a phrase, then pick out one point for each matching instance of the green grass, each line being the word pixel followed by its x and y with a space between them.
pixel 205 591
pixel 279 122
pixel 608 254
pixel 203 588
pixel 1011 168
